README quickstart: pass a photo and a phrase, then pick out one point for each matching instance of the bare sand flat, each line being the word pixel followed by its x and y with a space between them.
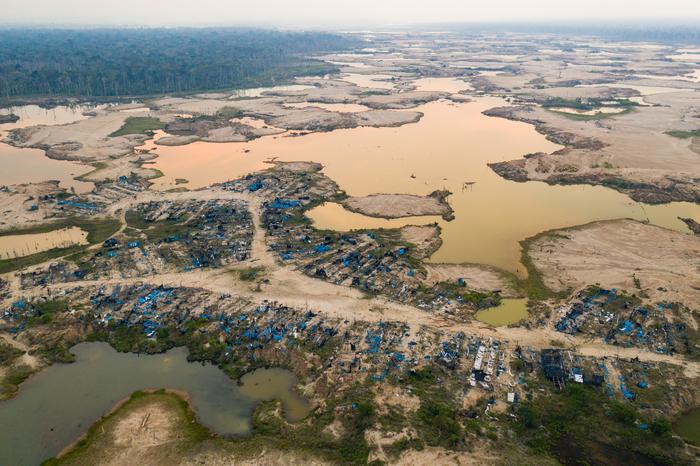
pixel 666 263
pixel 476 276
pixel 397 205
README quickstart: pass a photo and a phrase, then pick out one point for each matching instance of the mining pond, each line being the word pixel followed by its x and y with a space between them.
pixel 449 148
pixel 510 311
pixel 27 165
pixel 57 405
pixel 12 246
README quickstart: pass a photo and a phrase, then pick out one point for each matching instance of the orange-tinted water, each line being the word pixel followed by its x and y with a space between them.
pixel 451 145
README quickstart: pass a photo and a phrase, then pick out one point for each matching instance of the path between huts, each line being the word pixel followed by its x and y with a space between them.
pixel 292 288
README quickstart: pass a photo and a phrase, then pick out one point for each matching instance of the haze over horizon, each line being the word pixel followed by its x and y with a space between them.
pixel 328 13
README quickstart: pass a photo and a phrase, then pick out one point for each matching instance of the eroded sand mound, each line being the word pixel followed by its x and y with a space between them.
pixel 399 205
pixel 476 276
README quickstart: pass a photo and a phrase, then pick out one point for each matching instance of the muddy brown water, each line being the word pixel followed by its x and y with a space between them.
pixel 510 311
pixel 451 145
pixel 19 166
pixel 54 407
pixel 23 245
pixel 24 165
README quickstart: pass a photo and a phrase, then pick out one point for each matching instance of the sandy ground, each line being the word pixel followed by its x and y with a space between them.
pixel 396 205
pixel 667 263
pixel 142 430
pixel 215 129
pixel 392 395
pixel 476 276
pixel 426 239
pixel 177 140
pixel 236 134
pixel 408 99
pixel 85 140
pixel 149 433
pixel 633 147
pixel 265 458
pixel 16 200
pixel 127 165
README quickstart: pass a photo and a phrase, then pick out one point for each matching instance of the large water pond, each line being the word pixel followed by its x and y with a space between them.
pixel 56 406
pixel 450 146
pixel 31 165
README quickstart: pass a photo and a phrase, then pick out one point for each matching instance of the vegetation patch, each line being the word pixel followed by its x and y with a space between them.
pixel 230 112
pixel 56 352
pixel 684 134
pixel 250 274
pixel 534 285
pixel 9 354
pixel 45 311
pixel 160 229
pixel 587 104
pixel 436 420
pixel 579 425
pixel 14 376
pixel 138 125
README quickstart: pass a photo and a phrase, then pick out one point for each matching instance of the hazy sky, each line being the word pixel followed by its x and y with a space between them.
pixel 335 12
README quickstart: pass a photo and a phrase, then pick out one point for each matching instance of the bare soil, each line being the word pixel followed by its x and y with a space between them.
pixel 614 253
pixel 397 205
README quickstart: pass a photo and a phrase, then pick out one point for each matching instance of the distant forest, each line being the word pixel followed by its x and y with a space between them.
pixel 136 62
pixel 659 31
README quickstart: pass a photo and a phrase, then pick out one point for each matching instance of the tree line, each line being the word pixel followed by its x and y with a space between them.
pixel 138 62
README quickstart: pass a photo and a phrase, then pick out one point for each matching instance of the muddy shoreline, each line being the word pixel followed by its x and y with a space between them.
pixel 660 191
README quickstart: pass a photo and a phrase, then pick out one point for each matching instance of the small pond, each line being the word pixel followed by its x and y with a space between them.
pixel 56 406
